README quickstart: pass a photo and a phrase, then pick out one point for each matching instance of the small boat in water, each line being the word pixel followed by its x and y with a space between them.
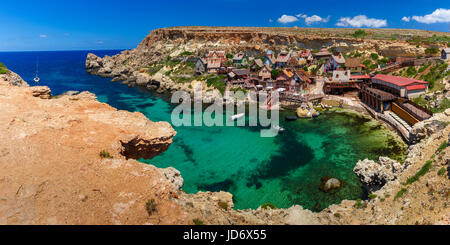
pixel 236 117
pixel 291 118
pixel 36 78
pixel 278 128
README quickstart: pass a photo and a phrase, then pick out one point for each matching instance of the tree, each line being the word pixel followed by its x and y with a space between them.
pixel 275 73
pixel 374 56
pixel 229 56
pixel 359 33
pixel 431 50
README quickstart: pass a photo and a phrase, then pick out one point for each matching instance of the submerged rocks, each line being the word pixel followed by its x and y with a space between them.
pixel 329 184
pixel 375 175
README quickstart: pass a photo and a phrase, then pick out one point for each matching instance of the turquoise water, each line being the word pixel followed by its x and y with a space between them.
pixel 284 170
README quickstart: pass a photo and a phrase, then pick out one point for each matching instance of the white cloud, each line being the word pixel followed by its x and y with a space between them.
pixel 406 19
pixel 43 36
pixel 313 19
pixel 438 16
pixel 361 21
pixel 285 19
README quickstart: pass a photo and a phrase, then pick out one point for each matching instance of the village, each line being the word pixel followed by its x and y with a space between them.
pixel 307 77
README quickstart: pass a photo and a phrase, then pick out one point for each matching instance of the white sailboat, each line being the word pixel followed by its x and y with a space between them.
pixel 236 117
pixel 36 78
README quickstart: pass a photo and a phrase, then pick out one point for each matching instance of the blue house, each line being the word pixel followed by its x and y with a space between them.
pixel 445 54
pixel 269 59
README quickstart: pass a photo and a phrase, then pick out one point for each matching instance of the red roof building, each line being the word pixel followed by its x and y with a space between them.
pixel 401 86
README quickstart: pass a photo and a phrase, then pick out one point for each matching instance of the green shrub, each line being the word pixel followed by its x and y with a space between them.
pixel 359 204
pixel 197 222
pixel 186 53
pixel 372 196
pixel 268 205
pixel 223 205
pixel 275 73
pixel 216 82
pixel 441 147
pixel 105 154
pixel 3 69
pixel 441 171
pixel 420 173
pixel 359 33
pixel 229 56
pixel 374 56
pixel 400 193
pixel 431 50
pixel 150 206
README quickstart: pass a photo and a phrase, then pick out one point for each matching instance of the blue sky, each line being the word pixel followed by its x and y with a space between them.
pixel 81 24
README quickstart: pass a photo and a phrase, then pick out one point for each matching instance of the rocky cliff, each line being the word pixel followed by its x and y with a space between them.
pixel 132 66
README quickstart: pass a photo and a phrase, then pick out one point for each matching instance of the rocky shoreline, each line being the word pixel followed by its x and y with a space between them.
pixel 77 125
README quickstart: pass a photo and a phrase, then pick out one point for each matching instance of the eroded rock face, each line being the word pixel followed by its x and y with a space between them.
pixel 52 173
pixel 13 79
pixel 375 175
pixel 42 92
pixel 430 126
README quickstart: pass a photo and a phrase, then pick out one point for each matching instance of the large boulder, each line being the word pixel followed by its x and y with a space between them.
pixel 143 79
pixel 174 177
pixel 332 184
pixel 93 62
pixel 375 175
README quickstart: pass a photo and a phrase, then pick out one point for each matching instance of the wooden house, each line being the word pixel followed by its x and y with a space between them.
pixel 354 65
pixel 341 76
pixel 265 73
pixel 293 63
pixel 400 86
pixel 237 59
pixel 335 62
pixel 323 54
pixel 306 54
pixel 269 59
pixel 282 59
pixel 284 80
pixel 302 79
pixel 257 65
pixel 239 74
pixel 214 60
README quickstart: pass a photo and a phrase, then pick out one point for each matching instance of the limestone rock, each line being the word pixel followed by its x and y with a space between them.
pixel 42 92
pixel 375 175
pixel 174 177
pixel 332 184
pixel 13 79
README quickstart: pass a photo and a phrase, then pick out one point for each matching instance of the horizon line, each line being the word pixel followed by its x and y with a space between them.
pixel 61 50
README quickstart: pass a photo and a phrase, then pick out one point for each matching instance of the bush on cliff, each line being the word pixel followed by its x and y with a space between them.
pixel 150 206
pixel 359 33
pixel 216 82
pixel 105 154
pixel 3 69
pixel 268 205
pixel 420 173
